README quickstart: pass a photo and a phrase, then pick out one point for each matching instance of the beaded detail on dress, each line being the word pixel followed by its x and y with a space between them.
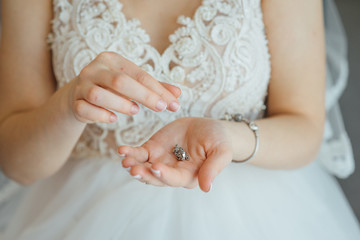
pixel 219 58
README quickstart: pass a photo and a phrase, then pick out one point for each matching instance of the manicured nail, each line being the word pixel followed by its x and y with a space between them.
pixel 122 155
pixel 211 186
pixel 113 118
pixel 128 169
pixel 161 105
pixel 157 173
pixel 174 106
pixel 134 109
pixel 138 177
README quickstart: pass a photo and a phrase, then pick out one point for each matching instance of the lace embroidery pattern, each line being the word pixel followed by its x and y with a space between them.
pixel 219 58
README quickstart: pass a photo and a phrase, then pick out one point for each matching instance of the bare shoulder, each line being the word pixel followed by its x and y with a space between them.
pixel 295 33
pixel 26 79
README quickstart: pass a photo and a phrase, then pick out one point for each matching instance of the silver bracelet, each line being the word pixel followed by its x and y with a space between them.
pixel 253 127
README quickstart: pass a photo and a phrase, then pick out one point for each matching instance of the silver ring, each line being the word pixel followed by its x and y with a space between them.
pixel 180 153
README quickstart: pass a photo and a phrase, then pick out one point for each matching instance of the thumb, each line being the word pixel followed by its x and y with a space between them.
pixel 216 161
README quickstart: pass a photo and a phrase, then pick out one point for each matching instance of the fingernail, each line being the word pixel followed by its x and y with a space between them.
pixel 128 169
pixel 161 105
pixel 138 177
pixel 174 106
pixel 113 118
pixel 122 155
pixel 157 173
pixel 211 185
pixel 134 109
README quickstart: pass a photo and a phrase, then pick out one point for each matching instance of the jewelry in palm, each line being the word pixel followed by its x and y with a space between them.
pixel 180 153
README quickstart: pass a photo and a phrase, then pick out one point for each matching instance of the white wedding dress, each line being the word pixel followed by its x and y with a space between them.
pixel 220 60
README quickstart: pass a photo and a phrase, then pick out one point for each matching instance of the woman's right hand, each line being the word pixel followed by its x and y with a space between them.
pixel 111 82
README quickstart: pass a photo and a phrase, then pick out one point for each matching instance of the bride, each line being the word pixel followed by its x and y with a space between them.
pixel 222 95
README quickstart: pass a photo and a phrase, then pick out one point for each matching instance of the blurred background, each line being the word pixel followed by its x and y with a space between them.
pixel 350 102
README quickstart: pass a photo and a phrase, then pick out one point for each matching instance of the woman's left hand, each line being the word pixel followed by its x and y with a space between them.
pixel 206 142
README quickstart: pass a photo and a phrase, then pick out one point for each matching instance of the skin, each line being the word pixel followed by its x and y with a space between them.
pixel 290 136
pixel 38 125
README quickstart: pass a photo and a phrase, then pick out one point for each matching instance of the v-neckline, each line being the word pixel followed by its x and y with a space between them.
pixel 172 33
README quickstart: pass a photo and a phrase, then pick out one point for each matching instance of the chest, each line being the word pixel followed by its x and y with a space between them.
pixel 159 17
pixel 217 55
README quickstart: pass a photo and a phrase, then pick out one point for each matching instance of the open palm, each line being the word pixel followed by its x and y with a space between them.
pixel 203 139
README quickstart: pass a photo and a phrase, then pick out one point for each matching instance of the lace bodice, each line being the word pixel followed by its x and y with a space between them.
pixel 219 59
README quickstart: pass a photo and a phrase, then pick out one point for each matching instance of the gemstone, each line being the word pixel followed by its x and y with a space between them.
pixel 253 126
pixel 237 117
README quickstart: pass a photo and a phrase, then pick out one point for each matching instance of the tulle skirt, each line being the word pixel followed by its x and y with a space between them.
pixel 97 199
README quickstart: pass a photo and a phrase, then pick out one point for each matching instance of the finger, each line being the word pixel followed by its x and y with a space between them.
pixel 99 96
pixel 174 176
pixel 142 173
pixel 148 81
pixel 130 88
pixel 139 154
pixel 213 165
pixel 121 64
pixel 89 113
pixel 129 162
pixel 176 91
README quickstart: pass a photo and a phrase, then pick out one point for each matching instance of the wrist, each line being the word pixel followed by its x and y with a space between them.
pixel 242 139
pixel 65 98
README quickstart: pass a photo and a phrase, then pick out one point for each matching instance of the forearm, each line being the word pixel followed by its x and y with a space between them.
pixel 286 141
pixel 36 143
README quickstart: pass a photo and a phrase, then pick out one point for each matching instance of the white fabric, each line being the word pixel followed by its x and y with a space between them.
pixel 220 60
pixel 96 199
pixel 336 152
